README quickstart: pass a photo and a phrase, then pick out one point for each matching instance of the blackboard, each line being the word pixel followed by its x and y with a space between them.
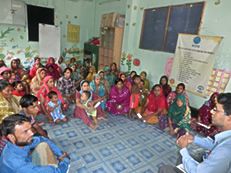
pixel 36 15
pixel 184 18
pixel 154 28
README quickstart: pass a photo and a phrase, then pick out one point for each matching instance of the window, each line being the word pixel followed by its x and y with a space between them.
pixel 36 15
pixel 161 25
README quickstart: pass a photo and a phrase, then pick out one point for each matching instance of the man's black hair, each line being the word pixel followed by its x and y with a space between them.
pixel 68 68
pixel 225 100
pixel 27 100
pixel 8 124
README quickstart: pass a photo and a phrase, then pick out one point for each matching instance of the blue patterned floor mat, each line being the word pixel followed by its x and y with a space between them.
pixel 117 145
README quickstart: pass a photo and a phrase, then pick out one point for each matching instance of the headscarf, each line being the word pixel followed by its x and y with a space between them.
pixel 101 91
pixel 55 66
pixel 96 76
pixel 176 112
pixel 36 82
pixel 165 86
pixel 211 104
pixel 72 64
pixel 45 80
pixel 90 75
pixel 54 73
pixel 156 103
pixel 4 69
pixel 81 90
pixel 100 71
pixel 93 68
pixel 121 73
pixel 143 72
pixel 32 72
pixel 106 69
pixel 205 110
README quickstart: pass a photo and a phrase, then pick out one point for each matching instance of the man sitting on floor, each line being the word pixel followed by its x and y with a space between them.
pixel 29 104
pixel 16 155
pixel 218 158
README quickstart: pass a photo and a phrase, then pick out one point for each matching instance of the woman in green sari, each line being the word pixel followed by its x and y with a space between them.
pixel 143 76
pixel 179 116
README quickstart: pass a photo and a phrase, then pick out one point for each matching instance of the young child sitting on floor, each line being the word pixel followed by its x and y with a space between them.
pixel 18 89
pixel 54 107
pixel 135 94
pixel 90 111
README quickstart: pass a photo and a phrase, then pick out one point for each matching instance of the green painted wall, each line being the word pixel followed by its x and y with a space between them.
pixel 77 12
pixel 215 23
pixel 105 6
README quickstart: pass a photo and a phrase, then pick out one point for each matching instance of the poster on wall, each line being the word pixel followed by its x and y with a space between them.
pixel 218 81
pixel 49 41
pixel 73 33
pixel 193 61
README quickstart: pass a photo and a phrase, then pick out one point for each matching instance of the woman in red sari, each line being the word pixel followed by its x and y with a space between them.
pixel 36 66
pixel 155 106
pixel 80 108
pixel 48 85
pixel 51 61
pixel 205 117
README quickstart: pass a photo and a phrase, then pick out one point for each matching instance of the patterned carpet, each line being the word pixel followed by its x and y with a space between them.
pixel 117 145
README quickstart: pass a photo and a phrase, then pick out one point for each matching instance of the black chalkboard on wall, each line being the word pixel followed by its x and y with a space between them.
pixel 161 25
pixel 36 15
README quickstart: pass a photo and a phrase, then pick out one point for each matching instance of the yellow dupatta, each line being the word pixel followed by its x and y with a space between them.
pixel 8 106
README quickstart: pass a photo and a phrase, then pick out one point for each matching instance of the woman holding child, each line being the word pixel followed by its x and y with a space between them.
pixel 80 108
pixel 48 85
pixel 155 105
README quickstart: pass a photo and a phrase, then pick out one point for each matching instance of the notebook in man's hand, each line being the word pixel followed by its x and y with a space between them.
pixel 180 169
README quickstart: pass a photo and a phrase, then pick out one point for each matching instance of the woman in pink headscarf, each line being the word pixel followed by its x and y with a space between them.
pixel 35 67
pixel 5 73
pixel 48 85
pixel 51 61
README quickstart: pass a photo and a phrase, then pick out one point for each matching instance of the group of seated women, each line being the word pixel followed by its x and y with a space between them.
pixel 96 93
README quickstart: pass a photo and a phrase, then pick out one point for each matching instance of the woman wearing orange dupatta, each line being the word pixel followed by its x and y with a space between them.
pixel 155 106
pixel 37 81
pixel 48 85
pixel 91 73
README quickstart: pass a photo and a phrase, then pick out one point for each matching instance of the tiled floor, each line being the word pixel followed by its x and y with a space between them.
pixel 118 145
